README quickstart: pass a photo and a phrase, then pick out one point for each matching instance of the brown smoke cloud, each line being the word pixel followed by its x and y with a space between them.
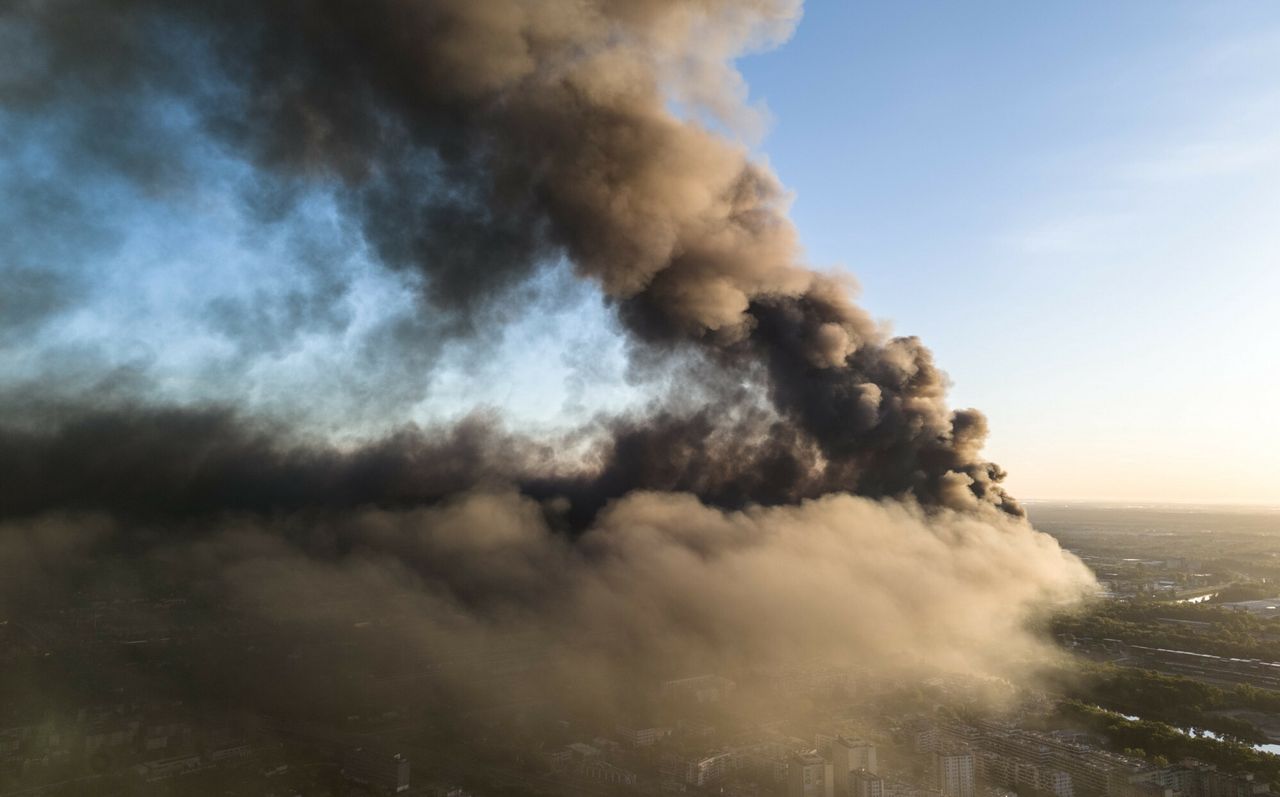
pixel 662 579
pixel 824 503
pixel 661 586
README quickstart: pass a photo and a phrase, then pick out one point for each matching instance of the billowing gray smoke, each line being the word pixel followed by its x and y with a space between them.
pixel 476 142
pixel 475 145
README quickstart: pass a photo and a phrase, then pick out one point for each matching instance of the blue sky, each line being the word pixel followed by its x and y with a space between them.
pixel 1076 205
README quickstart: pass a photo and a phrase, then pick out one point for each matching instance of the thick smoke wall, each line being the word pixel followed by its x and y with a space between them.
pixel 658 587
pixel 801 487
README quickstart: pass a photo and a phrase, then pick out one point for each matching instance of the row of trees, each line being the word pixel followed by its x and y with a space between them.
pixel 1170 699
pixel 1217 630
pixel 1163 742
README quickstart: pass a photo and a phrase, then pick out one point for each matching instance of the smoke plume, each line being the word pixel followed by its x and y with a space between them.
pixel 800 490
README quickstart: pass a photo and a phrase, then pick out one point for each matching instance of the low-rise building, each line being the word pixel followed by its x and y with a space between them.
pixel 383 771
pixel 611 774
pixel 809 775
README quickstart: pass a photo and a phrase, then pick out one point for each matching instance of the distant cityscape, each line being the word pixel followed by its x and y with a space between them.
pixel 69 726
pixel 830 736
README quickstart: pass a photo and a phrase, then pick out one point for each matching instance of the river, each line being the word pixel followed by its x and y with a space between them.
pixel 1273 749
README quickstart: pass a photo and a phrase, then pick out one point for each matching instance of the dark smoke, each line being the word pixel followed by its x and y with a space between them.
pixel 477 142
pixel 797 485
pixel 169 463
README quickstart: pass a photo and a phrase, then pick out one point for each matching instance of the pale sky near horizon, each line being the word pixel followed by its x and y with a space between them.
pixel 1076 205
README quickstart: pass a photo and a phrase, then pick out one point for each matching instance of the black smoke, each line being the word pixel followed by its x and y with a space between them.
pixel 474 144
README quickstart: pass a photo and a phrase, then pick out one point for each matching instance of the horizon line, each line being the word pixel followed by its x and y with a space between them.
pixel 1272 505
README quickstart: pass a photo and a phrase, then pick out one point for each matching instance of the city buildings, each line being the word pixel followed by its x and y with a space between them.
pixel 610 774
pixel 642 735
pixel 384 772
pixel 954 772
pixel 1054 763
pixel 864 783
pixel 848 755
pixel 809 775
